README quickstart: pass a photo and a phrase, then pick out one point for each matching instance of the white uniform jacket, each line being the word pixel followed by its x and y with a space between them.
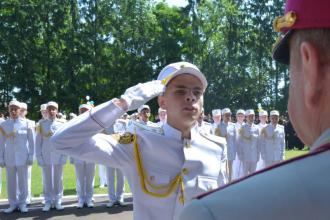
pixel 273 148
pixel 205 127
pixel 164 156
pixel 44 151
pixel 16 142
pixel 248 149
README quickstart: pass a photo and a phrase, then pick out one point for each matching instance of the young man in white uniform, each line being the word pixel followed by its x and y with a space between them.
pixel 165 170
pixel 85 173
pixel 50 161
pixel 23 114
pixel 16 154
pixel 273 134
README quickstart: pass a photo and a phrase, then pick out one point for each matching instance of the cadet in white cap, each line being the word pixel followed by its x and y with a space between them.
pixel 229 133
pixel 248 149
pixel 50 161
pixel 85 173
pixel 116 188
pixel 273 149
pixel 216 116
pixel 16 155
pixel 165 170
pixel 43 111
pixel 162 115
pixel 204 126
pixel 263 118
pixel 237 170
pixel 23 113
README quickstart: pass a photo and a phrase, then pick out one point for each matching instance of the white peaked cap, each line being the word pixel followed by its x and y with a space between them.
pixel 23 105
pixel 174 69
pixel 143 107
pixel 240 111
pixel 52 103
pixel 86 106
pixel 263 113
pixel 274 112
pixel 249 112
pixel 225 111
pixel 43 107
pixel 216 112
pixel 14 103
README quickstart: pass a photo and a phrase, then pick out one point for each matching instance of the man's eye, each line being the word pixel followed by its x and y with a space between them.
pixel 180 92
pixel 197 93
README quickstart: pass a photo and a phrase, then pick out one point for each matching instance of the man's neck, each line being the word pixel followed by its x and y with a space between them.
pixel 185 130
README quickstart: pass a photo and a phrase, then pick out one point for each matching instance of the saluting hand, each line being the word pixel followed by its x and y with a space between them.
pixel 141 93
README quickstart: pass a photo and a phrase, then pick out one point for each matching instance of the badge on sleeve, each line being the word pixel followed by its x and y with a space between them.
pixel 125 138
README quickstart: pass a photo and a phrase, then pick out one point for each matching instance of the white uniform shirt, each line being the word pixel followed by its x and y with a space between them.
pixel 205 127
pixel 45 130
pixel 274 145
pixel 16 142
pixel 164 156
pixel 248 149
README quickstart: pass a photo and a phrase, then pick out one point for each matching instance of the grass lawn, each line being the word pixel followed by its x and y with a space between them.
pixel 69 178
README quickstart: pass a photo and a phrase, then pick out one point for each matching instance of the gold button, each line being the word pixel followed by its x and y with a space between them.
pixel 185 171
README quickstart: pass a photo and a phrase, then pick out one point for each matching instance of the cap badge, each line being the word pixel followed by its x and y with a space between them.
pixel 286 21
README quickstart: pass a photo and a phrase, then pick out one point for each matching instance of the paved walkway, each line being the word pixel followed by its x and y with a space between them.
pixel 70 212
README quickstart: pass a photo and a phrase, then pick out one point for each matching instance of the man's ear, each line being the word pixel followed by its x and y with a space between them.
pixel 161 102
pixel 311 73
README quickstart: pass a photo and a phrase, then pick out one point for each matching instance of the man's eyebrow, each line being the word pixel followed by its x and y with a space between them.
pixel 185 87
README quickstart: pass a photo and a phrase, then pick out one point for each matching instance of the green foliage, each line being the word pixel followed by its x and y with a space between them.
pixel 65 50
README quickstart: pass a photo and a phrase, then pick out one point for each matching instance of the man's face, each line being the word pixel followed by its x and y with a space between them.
pixel 217 119
pixel 83 110
pixel 23 112
pixel 263 118
pixel 250 118
pixel 297 111
pixel 14 111
pixel 52 112
pixel 240 118
pixel 183 101
pixel 145 114
pixel 274 119
pixel 44 114
pixel 162 116
pixel 227 117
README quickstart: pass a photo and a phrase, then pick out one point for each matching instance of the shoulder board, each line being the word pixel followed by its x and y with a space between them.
pixel 125 138
pixel 61 120
pixel 213 138
pixel 157 129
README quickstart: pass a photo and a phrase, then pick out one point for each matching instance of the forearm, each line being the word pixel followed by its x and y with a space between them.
pixel 81 129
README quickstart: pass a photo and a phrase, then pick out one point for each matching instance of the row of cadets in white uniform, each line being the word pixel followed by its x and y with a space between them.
pixel 227 130
pixel 85 173
pixel 165 170
pixel 263 141
pixel 16 154
pixel 49 160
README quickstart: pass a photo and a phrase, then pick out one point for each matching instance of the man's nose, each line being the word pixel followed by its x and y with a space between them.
pixel 190 97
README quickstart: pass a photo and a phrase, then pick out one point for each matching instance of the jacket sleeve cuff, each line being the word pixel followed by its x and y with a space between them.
pixel 105 113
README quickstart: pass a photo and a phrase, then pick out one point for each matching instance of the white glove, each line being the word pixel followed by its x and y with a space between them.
pixel 141 93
